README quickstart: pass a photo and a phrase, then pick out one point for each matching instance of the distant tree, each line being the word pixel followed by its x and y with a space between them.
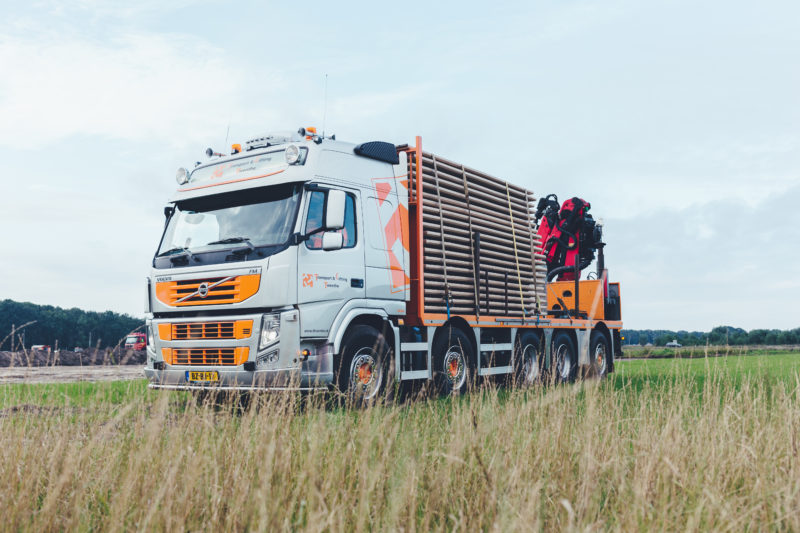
pixel 663 339
pixel 71 327
pixel 771 337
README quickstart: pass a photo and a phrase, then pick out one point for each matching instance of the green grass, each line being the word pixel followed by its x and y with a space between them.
pixel 781 367
pixel 79 394
pixel 767 366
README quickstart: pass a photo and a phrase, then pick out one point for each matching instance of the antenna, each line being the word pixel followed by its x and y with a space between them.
pixel 325 108
pixel 227 132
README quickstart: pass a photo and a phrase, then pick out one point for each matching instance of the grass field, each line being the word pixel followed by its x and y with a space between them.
pixel 700 444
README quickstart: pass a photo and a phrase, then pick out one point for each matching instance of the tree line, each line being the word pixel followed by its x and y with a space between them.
pixel 70 327
pixel 720 335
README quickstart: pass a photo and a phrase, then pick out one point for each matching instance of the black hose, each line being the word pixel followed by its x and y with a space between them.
pixel 556 271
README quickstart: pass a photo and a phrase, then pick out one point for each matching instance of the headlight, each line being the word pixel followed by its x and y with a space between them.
pixel 292 154
pixel 270 330
pixel 182 176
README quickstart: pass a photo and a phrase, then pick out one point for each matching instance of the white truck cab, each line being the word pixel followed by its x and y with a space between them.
pixel 268 254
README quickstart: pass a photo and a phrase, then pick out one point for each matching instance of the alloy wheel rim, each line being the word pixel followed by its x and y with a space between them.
pixel 530 370
pixel 600 358
pixel 455 367
pixel 366 376
pixel 564 361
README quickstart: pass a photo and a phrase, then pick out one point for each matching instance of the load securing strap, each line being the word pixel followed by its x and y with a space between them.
pixel 471 244
pixel 516 254
pixel 441 236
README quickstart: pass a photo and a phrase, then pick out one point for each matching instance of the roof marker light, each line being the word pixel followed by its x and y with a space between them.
pixel 182 176
pixel 236 148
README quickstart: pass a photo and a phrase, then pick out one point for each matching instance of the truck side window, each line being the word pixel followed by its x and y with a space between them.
pixel 314 220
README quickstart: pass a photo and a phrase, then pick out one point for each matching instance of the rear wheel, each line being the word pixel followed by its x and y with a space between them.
pixel 599 351
pixel 528 360
pixel 452 361
pixel 565 358
pixel 364 371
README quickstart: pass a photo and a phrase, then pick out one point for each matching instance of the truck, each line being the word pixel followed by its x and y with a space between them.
pixel 302 262
pixel 136 341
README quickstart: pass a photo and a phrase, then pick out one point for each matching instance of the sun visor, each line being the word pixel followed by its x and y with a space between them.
pixel 382 151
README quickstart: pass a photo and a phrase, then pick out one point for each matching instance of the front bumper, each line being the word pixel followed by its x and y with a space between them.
pixel 279 366
pixel 175 378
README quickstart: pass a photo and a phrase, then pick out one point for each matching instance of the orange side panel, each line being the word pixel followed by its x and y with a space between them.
pixel 591 296
pixel 242 353
pixel 166 354
pixel 243 329
pixel 165 332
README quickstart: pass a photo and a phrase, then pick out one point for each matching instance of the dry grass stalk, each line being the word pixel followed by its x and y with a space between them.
pixel 669 456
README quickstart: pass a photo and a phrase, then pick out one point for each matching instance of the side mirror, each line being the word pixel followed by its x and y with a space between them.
pixel 332 241
pixel 334 210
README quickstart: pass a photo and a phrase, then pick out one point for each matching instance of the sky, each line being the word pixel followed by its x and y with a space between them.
pixel 678 120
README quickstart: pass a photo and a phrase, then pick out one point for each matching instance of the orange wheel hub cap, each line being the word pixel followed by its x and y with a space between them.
pixel 364 373
pixel 453 368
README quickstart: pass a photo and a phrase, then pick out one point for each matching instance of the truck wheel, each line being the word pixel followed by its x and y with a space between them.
pixel 599 350
pixel 528 359
pixel 364 369
pixel 452 361
pixel 565 358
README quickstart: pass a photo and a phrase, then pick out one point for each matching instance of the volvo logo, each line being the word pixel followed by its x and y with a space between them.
pixel 202 290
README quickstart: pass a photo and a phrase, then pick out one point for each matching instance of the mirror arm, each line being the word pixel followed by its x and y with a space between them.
pixel 298 238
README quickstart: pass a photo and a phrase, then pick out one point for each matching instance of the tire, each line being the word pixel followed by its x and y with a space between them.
pixel 364 372
pixel 453 361
pixel 528 359
pixel 565 358
pixel 599 354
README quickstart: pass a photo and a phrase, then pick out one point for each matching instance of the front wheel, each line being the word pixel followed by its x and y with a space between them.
pixel 364 371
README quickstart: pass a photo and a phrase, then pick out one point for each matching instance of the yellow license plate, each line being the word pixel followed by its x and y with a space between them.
pixel 204 376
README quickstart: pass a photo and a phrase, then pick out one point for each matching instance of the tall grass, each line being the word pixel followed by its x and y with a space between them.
pixel 665 454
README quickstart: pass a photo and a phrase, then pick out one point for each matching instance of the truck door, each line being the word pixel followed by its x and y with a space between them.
pixel 328 279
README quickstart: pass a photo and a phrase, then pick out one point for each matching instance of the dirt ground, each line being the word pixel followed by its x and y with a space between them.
pixel 27 358
pixel 69 374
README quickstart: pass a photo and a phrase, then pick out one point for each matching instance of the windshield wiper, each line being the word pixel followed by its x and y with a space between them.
pixel 171 251
pixel 234 240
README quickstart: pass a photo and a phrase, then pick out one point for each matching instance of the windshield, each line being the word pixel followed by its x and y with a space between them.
pixel 242 220
pixel 132 340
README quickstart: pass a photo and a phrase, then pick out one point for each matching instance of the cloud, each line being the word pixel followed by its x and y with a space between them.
pixel 720 262
pixel 136 87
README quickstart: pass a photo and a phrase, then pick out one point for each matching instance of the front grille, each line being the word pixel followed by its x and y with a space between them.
pixel 187 331
pixel 203 330
pixel 208 291
pixel 206 356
